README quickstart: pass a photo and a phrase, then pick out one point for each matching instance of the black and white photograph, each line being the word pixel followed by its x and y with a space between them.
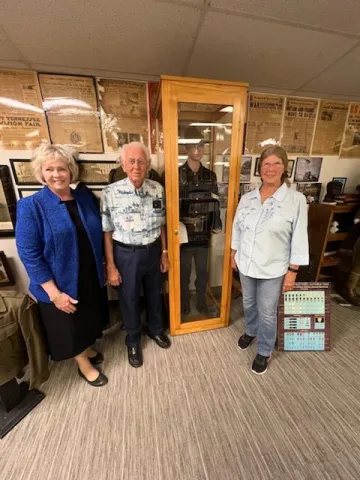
pixel 7 203
pixel 308 169
pixel 94 172
pixel 341 180
pixel 247 187
pixel 22 171
pixel 245 172
pixel 6 276
pixel 256 169
pixel 134 137
pixel 27 192
pixel 290 168
pixel 122 138
pixel 311 191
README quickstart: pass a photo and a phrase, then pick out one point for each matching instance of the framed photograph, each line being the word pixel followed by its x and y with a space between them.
pixel 290 168
pixel 256 170
pixel 247 187
pixel 22 172
pixel 6 276
pixel 27 192
pixel 95 172
pixel 341 180
pixel 245 172
pixel 308 169
pixel 311 191
pixel 7 203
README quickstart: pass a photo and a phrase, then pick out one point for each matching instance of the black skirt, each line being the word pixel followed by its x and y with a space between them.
pixel 70 334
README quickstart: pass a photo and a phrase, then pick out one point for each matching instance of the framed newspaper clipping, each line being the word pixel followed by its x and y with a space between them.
pixel 72 113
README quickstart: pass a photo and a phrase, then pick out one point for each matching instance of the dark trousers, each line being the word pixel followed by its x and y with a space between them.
pixel 200 256
pixel 139 268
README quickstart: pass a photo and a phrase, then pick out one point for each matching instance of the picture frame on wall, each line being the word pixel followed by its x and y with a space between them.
pixel 7 203
pixel 308 169
pixel 93 172
pixel 256 169
pixel 6 275
pixel 311 191
pixel 27 192
pixel 22 172
pixel 290 168
pixel 245 171
pixel 341 180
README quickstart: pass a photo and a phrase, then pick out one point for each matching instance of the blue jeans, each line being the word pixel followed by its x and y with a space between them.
pixel 260 302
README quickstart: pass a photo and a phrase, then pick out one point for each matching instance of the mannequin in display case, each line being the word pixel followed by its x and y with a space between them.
pixel 199 211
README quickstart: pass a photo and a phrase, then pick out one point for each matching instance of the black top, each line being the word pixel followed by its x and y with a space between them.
pixel 199 203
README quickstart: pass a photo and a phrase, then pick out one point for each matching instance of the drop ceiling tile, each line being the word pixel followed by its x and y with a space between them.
pixel 255 51
pixel 332 14
pixel 342 78
pixel 9 64
pixel 133 36
pixel 7 50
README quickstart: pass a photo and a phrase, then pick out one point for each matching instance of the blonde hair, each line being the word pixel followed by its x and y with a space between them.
pixel 280 153
pixel 53 152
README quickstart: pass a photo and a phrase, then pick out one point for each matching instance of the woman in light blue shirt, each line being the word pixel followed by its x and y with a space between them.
pixel 269 242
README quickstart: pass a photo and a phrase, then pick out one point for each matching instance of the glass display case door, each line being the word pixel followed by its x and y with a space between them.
pixel 203 129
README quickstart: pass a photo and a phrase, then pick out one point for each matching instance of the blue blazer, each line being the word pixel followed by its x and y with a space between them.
pixel 46 240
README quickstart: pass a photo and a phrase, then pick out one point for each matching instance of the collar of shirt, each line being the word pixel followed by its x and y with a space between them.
pixel 138 191
pixel 188 169
pixel 279 195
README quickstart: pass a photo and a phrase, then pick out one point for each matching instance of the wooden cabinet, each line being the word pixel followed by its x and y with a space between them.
pixel 322 242
pixel 200 120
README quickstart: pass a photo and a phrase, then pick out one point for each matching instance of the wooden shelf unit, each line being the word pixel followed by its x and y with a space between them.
pixel 321 217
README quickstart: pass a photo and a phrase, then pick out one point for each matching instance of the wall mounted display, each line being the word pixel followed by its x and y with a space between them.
pixel 308 169
pixel 341 180
pixel 256 169
pixel 290 168
pixel 7 203
pixel 329 127
pixel 22 172
pixel 6 275
pixel 71 108
pixel 22 119
pixel 311 191
pixel 124 112
pixel 94 172
pixel 247 187
pixel 27 192
pixel 299 123
pixel 351 145
pixel 245 171
pixel 264 121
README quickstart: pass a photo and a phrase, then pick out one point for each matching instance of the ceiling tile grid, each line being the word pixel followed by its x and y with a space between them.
pixel 261 53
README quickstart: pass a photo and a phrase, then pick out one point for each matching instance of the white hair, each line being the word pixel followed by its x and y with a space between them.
pixel 140 145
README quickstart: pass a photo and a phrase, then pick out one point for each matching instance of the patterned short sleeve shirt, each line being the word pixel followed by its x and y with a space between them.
pixel 133 215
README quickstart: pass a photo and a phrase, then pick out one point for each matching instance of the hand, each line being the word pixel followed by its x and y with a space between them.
pixel 164 263
pixel 113 276
pixel 217 230
pixel 233 263
pixel 65 303
pixel 289 282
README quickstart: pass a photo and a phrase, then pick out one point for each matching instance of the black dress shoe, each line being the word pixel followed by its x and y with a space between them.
pixel 100 381
pixel 135 356
pixel 162 340
pixel 99 358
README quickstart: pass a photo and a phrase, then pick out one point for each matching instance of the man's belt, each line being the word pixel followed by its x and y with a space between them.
pixel 157 243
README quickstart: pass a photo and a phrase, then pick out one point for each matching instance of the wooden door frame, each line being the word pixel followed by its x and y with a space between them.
pixel 175 90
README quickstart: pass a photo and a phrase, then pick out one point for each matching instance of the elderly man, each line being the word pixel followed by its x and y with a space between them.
pixel 133 216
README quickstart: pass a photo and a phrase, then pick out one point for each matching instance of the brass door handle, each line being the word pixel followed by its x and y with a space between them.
pixel 176 232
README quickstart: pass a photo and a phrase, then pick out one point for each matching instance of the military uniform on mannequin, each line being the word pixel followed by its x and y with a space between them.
pixel 200 213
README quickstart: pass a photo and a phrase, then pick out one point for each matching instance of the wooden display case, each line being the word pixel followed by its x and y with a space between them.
pixel 218 110
pixel 322 241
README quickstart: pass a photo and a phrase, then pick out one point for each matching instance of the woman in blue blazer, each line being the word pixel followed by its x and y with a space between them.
pixel 59 241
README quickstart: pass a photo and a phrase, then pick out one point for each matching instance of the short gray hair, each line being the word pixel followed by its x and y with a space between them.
pixel 53 152
pixel 140 145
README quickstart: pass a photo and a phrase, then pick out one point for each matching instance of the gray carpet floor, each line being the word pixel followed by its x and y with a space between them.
pixel 196 412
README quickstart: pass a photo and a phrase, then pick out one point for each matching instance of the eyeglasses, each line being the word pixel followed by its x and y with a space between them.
pixel 132 161
pixel 266 166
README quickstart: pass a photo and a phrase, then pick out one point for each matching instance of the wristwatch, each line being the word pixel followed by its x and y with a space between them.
pixel 294 270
